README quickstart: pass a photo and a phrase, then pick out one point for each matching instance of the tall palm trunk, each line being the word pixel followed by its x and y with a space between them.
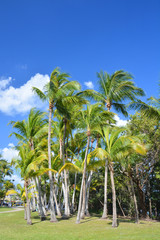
pixel 105 212
pixel 114 222
pixel 56 203
pixel 87 193
pixel 28 210
pixel 53 216
pixel 66 197
pixel 42 214
pixel 82 191
pixel 25 211
pixel 135 202
pixel 74 192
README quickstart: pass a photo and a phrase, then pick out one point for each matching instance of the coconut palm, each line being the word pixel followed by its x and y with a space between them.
pixel 117 147
pixel 115 88
pixel 29 131
pixel 88 119
pixel 54 92
pixel 26 156
pixel 113 91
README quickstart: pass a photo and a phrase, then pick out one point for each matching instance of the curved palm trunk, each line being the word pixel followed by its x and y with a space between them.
pixel 119 203
pixel 28 210
pixel 53 216
pixel 105 212
pixel 114 222
pixel 135 202
pixel 83 183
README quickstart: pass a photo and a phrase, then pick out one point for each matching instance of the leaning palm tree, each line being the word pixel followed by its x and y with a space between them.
pixel 54 92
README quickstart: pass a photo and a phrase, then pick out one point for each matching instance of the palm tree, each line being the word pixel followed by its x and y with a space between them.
pixel 117 146
pixel 66 123
pixel 29 131
pixel 54 93
pixel 113 89
pixel 26 156
pixel 88 120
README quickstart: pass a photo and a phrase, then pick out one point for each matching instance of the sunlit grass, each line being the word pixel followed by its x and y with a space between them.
pixel 14 227
pixel 3 209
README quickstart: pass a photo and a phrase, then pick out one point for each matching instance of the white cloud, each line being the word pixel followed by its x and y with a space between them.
pixel 22 99
pixel 9 152
pixel 16 178
pixel 89 84
pixel 4 82
pixel 120 122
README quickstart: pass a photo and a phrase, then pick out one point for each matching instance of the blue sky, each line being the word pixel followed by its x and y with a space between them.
pixel 82 37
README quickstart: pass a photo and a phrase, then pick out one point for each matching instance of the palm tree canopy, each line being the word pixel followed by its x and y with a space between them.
pixel 57 89
pixel 92 117
pixel 118 145
pixel 116 88
pixel 151 110
pixel 32 129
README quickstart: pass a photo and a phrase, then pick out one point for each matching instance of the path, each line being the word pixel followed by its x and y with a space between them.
pixel 15 210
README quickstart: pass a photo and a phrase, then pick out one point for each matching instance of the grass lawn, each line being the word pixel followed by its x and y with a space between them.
pixel 14 227
pixel 3 209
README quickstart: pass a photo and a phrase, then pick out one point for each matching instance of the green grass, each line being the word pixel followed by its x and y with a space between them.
pixel 3 209
pixel 14 227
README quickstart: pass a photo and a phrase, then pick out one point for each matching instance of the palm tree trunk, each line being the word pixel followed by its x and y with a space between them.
pixel 135 202
pixel 114 222
pixel 40 200
pixel 83 200
pixel 87 193
pixel 74 192
pixel 83 182
pixel 121 207
pixel 29 221
pixel 53 216
pixel 105 212
pixel 33 196
pixel 56 203
pixel 25 211
pixel 66 197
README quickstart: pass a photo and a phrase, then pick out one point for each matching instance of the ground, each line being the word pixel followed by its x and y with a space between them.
pixel 4 209
pixel 14 227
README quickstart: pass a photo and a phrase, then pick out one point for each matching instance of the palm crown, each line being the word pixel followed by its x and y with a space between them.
pixel 116 88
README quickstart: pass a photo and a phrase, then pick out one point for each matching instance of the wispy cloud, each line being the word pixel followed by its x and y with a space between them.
pixel 4 82
pixel 20 100
pixel 89 84
pixel 22 66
